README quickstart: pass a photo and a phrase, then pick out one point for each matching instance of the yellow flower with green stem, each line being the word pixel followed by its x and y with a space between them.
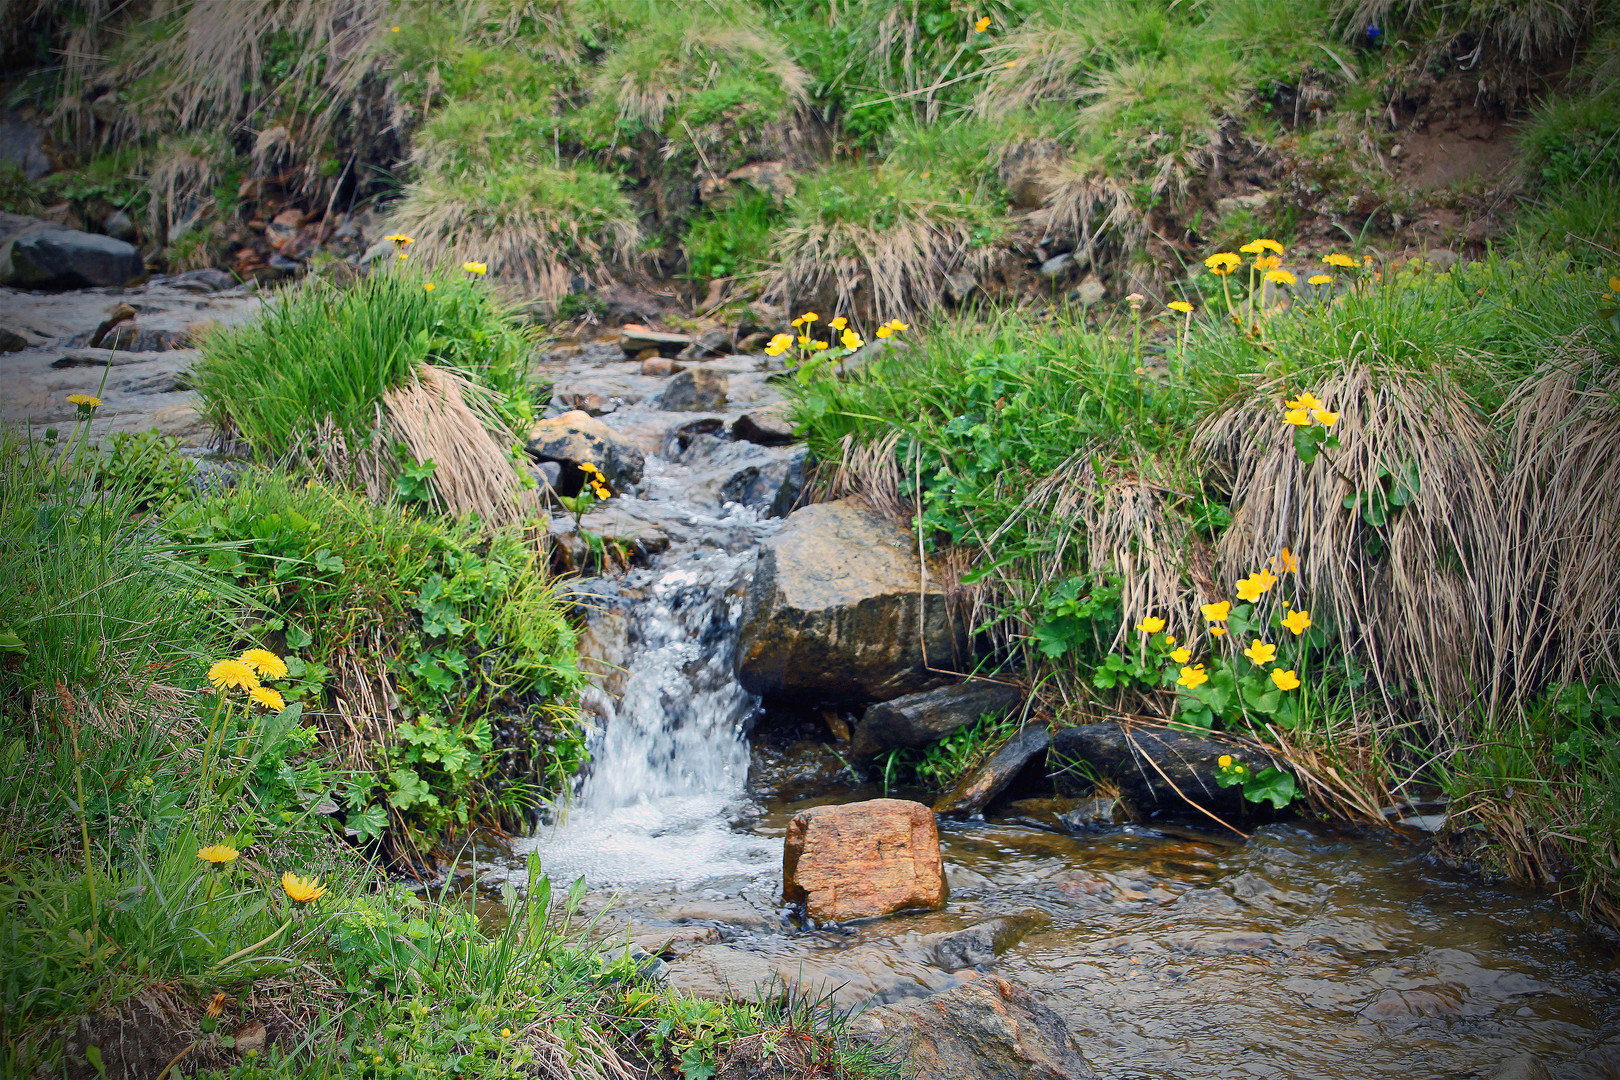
pixel 265 663
pixel 1193 677
pixel 1285 680
pixel 302 890
pixel 1297 622
pixel 1261 652
pixel 1151 625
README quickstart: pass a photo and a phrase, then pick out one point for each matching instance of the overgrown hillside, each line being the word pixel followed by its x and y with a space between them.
pixel 889 159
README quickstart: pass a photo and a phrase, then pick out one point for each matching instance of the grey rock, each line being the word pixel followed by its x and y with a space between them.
pixel 696 389
pixel 716 341
pixel 837 611
pixel 68 258
pixel 660 367
pixel 205 280
pixel 992 776
pixel 1443 260
pixel 96 358
pixel 723 972
pixel 548 474
pixel 576 438
pixel 1150 766
pixel 11 341
pixel 990 1029
pixel 919 719
pixel 1233 203
pixel 1522 1067
pixel 791 492
pixel 765 427
pixel 1064 815
pixel 1026 170
pixel 980 943
pixel 1058 265
pixel 22 146
pixel 133 337
pixel 1090 291
pixel 761 487
pixel 1099 811
pixel 119 226
pixel 635 339
pixel 959 285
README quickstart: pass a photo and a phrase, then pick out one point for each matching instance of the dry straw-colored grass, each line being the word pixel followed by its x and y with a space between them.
pixel 1418 612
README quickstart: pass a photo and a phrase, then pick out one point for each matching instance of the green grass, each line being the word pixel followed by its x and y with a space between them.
pixel 327 352
pixel 733 240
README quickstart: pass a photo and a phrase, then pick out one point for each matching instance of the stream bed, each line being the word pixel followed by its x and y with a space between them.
pixel 1307 951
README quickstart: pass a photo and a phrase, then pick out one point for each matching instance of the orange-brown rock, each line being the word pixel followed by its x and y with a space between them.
pixel 862 860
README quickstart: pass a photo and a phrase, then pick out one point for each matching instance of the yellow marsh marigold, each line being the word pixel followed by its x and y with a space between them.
pixel 1266 579
pixel 1285 680
pixel 1217 612
pixel 819 346
pixel 1151 625
pixel 839 323
pixel 270 699
pixel 851 340
pixel 1325 418
pixel 1614 284
pixel 1267 262
pixel 1288 561
pixel 809 316
pixel 1261 652
pixel 232 675
pixel 477 268
pixel 1343 262
pixel 1223 263
pixel 797 322
pixel 428 286
pixel 1297 417
pixel 84 401
pixel 1252 587
pixel 804 340
pixel 1169 639
pixel 1180 306
pixel 1298 622
pixel 266 663
pixel 1224 761
pixel 1319 279
pixel 303 890
pixel 1217 631
pixel 1306 401
pixel 217 853
pixel 1280 277
pixel 1192 677
pixel 981 24
pixel 1181 655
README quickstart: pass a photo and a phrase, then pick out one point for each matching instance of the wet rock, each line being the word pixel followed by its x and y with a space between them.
pixel 792 489
pixel 1063 815
pixel 716 341
pixel 577 438
pixel 1099 811
pixel 862 860
pixel 681 439
pixel 133 337
pixel 96 358
pixel 834 611
pixel 548 474
pixel 990 1029
pixel 922 718
pixel 1521 1067
pixel 11 341
pixel 627 534
pixel 762 487
pixel 993 775
pixel 119 313
pixel 635 338
pixel 673 942
pixel 1149 766
pixel 587 401
pixel 68 258
pixel 764 427
pixel 697 389
pixel 980 943
pixel 205 280
pixel 804 769
pixel 660 366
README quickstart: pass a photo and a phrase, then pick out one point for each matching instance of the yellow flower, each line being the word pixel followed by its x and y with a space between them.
pixel 885 330
pixel 1614 284
pixel 399 239
pixel 1306 400
pixel 851 340
pixel 85 402
pixel 1169 639
pixel 429 286
pixel 266 663
pixel 1224 761
pixel 1180 305
pixel 896 325
pixel 1285 680
pixel 1251 587
pixel 798 322
pixel 1181 655
pixel 1325 418
pixel 1151 625
pixel 804 339
pixel 1255 247
pixel 818 345
pixel 982 24
pixel 1193 676
pixel 1280 277
pixel 1217 631
pixel 1319 279
pixel 1261 652
pixel 393 29
pixel 839 323
pixel 1344 262
pixel 1289 562
pixel 217 853
pixel 1222 263
pixel 1266 579
pixel 1298 622
pixel 303 890
pixel 1217 612
pixel 270 699
pixel 1267 262
pixel 1297 417
pixel 810 316
pixel 477 268
pixel 232 675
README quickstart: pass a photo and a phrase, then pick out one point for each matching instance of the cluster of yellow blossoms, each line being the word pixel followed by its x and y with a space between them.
pixel 245 672
pixel 298 889
pixel 1268 261
pixel 598 482
pixel 806 339
pixel 1302 410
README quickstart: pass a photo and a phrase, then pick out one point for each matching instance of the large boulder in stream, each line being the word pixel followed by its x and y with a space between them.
pixel 41 256
pixel 838 610
pixel 1155 768
pixel 916 720
pixel 577 438
pixel 990 1029
pixel 862 860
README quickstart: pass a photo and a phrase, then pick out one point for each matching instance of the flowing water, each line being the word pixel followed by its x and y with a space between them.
pixel 1309 951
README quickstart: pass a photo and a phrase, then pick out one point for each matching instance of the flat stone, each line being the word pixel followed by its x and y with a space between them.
pixel 764 427
pixel 1099 811
pixel 862 860
pixel 723 972
pixel 1149 765
pixel 660 366
pixel 981 943
pixel 992 776
pixel 697 389
pixel 68 258
pixel 97 358
pixel 671 942
pixel 915 720
pixel 989 1029
pixel 635 338
pixel 716 341
pixel 1057 265
pixel 11 341
pixel 837 611
pixel 576 438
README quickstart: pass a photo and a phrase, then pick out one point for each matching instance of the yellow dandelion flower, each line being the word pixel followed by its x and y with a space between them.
pixel 1217 612
pixel 302 890
pixel 1261 652
pixel 1325 418
pixel 1270 245
pixel 266 663
pixel 1223 263
pixel 1224 761
pixel 400 239
pixel 1280 277
pixel 1151 625
pixel 85 402
pixel 1180 306
pixel 1343 262
pixel 232 675
pixel 1181 655
pixel 1297 417
pixel 429 286
pixel 1192 677
pixel 981 24
pixel 1298 622
pixel 1267 262
pixel 476 268
pixel 265 696
pixel 217 853
pixel 1286 680
pixel 1319 279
